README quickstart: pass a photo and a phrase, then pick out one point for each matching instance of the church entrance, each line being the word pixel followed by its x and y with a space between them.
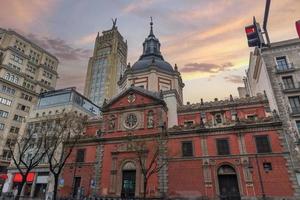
pixel 128 180
pixel 228 183
pixel 128 183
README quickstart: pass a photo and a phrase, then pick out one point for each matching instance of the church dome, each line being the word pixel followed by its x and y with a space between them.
pixel 151 55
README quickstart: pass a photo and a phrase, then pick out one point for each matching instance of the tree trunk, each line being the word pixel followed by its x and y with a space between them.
pixel 20 189
pixel 145 187
pixel 55 186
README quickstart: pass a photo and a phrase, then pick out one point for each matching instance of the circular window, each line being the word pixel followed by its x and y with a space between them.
pixel 130 121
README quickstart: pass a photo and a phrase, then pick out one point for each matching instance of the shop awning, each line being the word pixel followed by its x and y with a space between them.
pixel 18 177
pixel 3 176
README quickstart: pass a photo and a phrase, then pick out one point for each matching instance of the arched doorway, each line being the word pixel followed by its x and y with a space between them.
pixel 128 180
pixel 228 183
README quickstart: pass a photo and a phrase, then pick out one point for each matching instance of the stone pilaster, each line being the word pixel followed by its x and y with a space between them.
pixel 98 168
pixel 163 173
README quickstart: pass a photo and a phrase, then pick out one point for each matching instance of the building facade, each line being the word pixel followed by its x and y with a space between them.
pixel 275 71
pixel 51 105
pixel 105 66
pixel 26 70
pixel 224 149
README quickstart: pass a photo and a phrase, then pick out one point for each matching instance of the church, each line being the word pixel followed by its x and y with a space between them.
pixel 149 144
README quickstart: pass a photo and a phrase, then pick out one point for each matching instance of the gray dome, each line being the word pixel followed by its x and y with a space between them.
pixel 151 54
pixel 148 61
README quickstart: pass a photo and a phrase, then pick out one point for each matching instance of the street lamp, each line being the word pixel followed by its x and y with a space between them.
pixel 259 176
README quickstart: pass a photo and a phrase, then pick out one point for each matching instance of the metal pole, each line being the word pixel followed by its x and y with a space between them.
pixel 260 179
pixel 266 16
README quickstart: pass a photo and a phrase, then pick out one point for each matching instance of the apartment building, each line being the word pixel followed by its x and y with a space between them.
pixel 26 70
pixel 275 71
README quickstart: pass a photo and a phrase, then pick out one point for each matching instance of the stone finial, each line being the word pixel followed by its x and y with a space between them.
pixel 161 95
pixel 230 97
pixel 128 66
pixel 98 35
pixel 201 102
pixel 265 94
pixel 104 102
pixel 175 67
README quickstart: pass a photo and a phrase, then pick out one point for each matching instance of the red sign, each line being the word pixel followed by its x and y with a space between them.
pixel 298 27
pixel 18 177
pixel 3 176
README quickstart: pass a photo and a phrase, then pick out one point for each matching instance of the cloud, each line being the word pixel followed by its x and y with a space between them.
pixel 87 39
pixel 23 14
pixel 60 48
pixel 234 79
pixel 205 67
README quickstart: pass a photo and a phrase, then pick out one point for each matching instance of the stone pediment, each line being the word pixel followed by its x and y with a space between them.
pixel 133 97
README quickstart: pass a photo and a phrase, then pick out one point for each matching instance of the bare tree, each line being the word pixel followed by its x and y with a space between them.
pixel 27 152
pixel 62 137
pixel 153 154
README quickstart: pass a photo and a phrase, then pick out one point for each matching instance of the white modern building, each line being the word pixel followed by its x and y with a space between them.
pixel 50 106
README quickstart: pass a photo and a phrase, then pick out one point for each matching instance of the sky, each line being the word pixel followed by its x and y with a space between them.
pixel 205 38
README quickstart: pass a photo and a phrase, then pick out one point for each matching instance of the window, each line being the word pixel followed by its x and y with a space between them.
pixel 14 129
pixel 16 59
pixel 288 82
pixel 267 166
pixel 11 77
pixel 188 124
pixel 5 101
pixel 26 97
pixel 295 103
pixel 23 107
pixel 262 144
pixel 6 154
pixel 252 117
pixel 1 126
pixel 3 114
pixel 223 146
pixel 187 148
pixel 80 155
pixel 298 178
pixel 298 126
pixel 8 90
pixel 19 118
pixel 282 63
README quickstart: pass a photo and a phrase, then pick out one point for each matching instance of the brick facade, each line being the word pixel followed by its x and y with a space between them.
pixel 108 149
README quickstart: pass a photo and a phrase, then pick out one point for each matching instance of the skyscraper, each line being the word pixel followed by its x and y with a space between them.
pixel 106 65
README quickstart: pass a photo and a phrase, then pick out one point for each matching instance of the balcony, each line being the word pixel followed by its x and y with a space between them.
pixel 290 88
pixel 286 69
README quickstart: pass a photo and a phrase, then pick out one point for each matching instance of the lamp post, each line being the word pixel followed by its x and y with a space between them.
pixel 259 176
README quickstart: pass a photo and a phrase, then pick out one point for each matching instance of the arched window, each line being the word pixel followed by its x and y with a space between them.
pixel 226 170
pixel 150 119
pixel 129 166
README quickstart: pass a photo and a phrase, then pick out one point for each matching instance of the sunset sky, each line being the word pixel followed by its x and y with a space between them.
pixel 204 37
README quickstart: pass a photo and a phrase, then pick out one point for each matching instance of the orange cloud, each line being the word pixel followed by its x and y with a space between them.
pixel 22 14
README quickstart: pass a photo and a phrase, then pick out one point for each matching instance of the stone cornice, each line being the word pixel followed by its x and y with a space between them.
pixel 223 104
